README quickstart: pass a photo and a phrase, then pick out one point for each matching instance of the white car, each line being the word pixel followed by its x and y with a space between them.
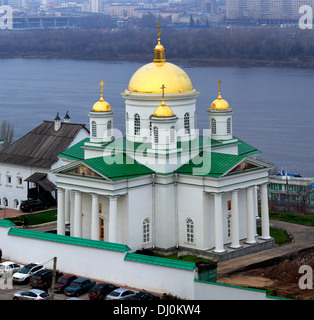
pixel 32 294
pixel 120 294
pixel 9 266
pixel 26 272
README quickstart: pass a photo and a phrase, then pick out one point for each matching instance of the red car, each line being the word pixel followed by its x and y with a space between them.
pixel 64 282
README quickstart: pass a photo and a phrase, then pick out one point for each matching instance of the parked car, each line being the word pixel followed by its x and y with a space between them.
pixel 42 279
pixel 63 282
pixel 121 294
pixel 142 295
pixel 32 294
pixel 9 266
pixel 33 205
pixel 79 286
pixel 23 275
pixel 100 291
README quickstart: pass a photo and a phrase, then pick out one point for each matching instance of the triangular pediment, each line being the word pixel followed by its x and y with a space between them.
pixel 83 170
pixel 243 166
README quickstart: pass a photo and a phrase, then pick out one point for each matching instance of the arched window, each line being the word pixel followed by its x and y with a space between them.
pixel 109 127
pixel 155 134
pixel 137 124
pixel 146 233
pixel 213 126
pixel 94 129
pixel 172 134
pixel 187 123
pixel 229 125
pixel 189 230
pixel 19 180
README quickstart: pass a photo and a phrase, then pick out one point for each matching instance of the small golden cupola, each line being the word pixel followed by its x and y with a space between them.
pixel 220 103
pixel 159 51
pixel 101 105
pixel 163 110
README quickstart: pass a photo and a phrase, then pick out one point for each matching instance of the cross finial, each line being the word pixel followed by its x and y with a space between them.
pixel 158 26
pixel 163 91
pixel 219 85
pixel 101 88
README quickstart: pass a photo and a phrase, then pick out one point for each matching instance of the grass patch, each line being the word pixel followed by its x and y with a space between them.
pixel 303 219
pixel 36 218
pixel 281 236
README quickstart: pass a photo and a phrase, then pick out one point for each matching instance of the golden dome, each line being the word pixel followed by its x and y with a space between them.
pixel 163 110
pixel 150 77
pixel 101 105
pixel 220 103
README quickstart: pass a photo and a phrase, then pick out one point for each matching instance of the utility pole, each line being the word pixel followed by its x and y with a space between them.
pixel 53 278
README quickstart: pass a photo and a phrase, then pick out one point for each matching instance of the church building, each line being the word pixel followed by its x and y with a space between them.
pixel 165 184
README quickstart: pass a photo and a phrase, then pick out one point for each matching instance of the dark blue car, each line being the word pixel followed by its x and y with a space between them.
pixel 79 286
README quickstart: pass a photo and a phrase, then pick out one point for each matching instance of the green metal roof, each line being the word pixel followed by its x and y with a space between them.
pixel 6 223
pixel 244 148
pixel 67 239
pixel 160 261
pixel 210 164
pixel 118 166
pixel 75 152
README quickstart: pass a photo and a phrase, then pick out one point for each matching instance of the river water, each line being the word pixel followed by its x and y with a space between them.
pixel 273 107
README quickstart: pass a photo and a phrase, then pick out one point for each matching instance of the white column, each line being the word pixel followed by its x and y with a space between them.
pixel 77 214
pixel 113 220
pixel 250 216
pixel 95 217
pixel 235 240
pixel 72 213
pixel 219 244
pixel 264 212
pixel 60 215
pixel 67 205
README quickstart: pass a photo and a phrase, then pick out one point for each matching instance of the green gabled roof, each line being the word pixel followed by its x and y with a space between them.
pixel 118 166
pixel 75 152
pixel 210 164
pixel 159 261
pixel 244 148
pixel 67 239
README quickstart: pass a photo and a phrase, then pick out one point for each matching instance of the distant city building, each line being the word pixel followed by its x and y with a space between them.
pixel 291 190
pixel 265 9
pixel 122 10
pixel 95 5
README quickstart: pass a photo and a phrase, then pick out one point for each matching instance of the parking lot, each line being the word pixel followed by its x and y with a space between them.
pixel 7 291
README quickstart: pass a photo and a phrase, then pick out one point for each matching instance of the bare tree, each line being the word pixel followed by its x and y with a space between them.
pixel 6 133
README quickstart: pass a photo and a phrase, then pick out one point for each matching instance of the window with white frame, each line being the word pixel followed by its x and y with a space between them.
pixel 172 134
pixel 109 128
pixel 94 129
pixel 213 126
pixel 156 138
pixel 229 125
pixel 137 124
pixel 19 180
pixel 146 231
pixel 190 230
pixel 187 123
pixel 8 179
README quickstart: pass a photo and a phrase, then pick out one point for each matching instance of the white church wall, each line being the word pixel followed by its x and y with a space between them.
pixel 139 208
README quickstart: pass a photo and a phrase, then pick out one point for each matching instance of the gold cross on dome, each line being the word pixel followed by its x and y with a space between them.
pixel 101 87
pixel 219 85
pixel 163 91
pixel 159 26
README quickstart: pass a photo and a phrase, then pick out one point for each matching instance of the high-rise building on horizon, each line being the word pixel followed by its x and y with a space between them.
pixel 267 9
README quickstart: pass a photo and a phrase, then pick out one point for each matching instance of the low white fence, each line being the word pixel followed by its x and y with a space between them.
pixel 110 262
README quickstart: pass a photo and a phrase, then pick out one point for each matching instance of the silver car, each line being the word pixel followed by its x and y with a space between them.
pixel 120 294
pixel 32 294
pixel 9 266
